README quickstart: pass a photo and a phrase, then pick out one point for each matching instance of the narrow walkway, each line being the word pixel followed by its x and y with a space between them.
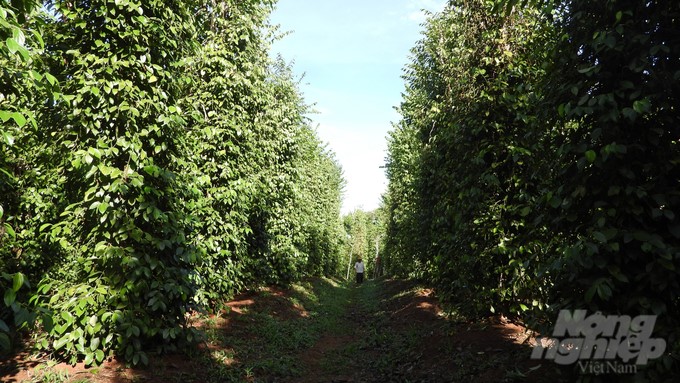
pixel 338 354
pixel 321 330
pixel 380 339
pixel 394 331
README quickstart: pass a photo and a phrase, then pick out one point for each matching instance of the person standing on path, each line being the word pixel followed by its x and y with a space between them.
pixel 359 268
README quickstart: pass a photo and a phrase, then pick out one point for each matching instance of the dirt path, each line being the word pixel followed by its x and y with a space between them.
pixel 324 331
pixel 397 332
pixel 339 354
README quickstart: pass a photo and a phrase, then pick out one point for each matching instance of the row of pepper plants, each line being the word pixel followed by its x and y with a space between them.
pixel 155 160
pixel 536 164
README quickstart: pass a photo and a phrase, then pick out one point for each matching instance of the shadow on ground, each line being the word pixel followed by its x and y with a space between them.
pixel 254 339
pixel 406 337
pixel 322 330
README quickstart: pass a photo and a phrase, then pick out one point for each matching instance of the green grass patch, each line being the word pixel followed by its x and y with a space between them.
pixel 264 341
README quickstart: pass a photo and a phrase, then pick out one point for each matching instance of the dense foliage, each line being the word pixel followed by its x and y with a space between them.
pixel 464 169
pixel 158 161
pixel 23 80
pixel 536 163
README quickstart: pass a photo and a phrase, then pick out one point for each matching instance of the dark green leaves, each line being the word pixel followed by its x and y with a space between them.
pixel 160 161
pixel 591 155
pixel 466 179
pixel 589 220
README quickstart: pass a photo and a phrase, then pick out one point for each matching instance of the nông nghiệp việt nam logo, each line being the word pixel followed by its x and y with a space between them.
pixel 579 337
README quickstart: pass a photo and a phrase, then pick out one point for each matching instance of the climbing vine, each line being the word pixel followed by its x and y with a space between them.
pixel 158 162
pixel 535 165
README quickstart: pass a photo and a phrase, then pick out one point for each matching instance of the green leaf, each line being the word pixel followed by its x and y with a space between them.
pixel 10 231
pixel 555 202
pixel 600 237
pixel 19 119
pixel 604 291
pixel 5 115
pixel 89 359
pixel 94 344
pixel 5 343
pixel 591 293
pixel 588 69
pixel 12 45
pixel 51 79
pixel 590 156
pixel 22 317
pixel 3 326
pixel 17 281
pixel 615 271
pixel 10 297
pixel 67 317
pixel 641 106
pixel 47 322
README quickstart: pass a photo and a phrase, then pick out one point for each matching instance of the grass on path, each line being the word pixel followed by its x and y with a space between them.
pixel 323 330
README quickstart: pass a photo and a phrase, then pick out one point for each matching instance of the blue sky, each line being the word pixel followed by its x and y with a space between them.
pixel 352 53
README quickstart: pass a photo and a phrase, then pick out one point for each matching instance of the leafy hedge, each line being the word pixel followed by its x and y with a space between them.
pixel 168 165
pixel 536 163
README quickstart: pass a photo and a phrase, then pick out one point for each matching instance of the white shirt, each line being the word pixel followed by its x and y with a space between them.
pixel 359 267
